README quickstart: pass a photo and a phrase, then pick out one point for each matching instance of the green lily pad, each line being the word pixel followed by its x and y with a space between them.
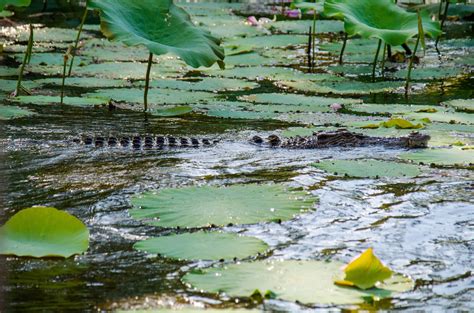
pixel 302 26
pixel 8 71
pixel 61 37
pixel 203 84
pixel 128 70
pixel 10 112
pixel 207 205
pixel 368 168
pixel 347 87
pixel 390 23
pixel 464 105
pixel 203 246
pixel 155 96
pixel 174 111
pixel 84 82
pixel 9 86
pixel 296 99
pixel 444 116
pixel 309 282
pixel 43 232
pixel 272 41
pixel 453 156
pixel 51 100
pixel 389 108
pixel 160 26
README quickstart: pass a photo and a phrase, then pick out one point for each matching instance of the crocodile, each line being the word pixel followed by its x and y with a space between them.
pixel 318 140
pixel 138 142
pixel 343 138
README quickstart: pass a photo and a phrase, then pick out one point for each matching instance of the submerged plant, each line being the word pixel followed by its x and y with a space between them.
pixel 160 26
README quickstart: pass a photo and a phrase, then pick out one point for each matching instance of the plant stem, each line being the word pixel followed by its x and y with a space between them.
pixel 445 15
pixel 83 20
pixel 383 59
pixel 375 60
pixel 343 48
pixel 410 66
pixel 314 39
pixel 66 58
pixel 309 49
pixel 26 59
pixel 147 82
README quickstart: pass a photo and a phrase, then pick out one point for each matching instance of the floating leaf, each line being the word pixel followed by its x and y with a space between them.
pixel 390 23
pixel 208 205
pixel 368 168
pixel 160 26
pixel 43 232
pixel 10 112
pixel 465 105
pixel 51 100
pixel 174 111
pixel 401 124
pixel 309 282
pixel 203 246
pixel 452 156
pixel 365 271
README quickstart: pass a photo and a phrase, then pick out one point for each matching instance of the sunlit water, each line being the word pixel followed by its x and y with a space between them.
pixel 422 227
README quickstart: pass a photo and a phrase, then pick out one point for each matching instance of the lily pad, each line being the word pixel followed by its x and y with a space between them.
pixel 368 168
pixel 453 156
pixel 309 282
pixel 174 111
pixel 296 99
pixel 155 96
pixel 203 246
pixel 10 112
pixel 160 26
pixel 128 70
pixel 464 105
pixel 43 232
pixel 203 84
pixel 272 41
pixel 390 23
pixel 51 100
pixel 84 82
pixel 207 205
pixel 347 87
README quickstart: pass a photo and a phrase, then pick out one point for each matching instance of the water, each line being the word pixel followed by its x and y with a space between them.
pixel 422 227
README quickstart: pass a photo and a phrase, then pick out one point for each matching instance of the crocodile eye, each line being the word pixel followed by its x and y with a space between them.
pixel 257 139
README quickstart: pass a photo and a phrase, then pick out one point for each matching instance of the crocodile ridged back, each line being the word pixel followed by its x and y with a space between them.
pixel 143 142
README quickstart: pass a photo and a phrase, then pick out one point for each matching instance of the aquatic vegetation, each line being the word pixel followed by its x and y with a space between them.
pixel 368 168
pixel 203 246
pixel 43 232
pixel 172 33
pixel 10 112
pixel 365 271
pixel 441 157
pixel 308 282
pixel 207 205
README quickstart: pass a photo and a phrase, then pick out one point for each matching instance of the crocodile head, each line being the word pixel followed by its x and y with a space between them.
pixel 417 140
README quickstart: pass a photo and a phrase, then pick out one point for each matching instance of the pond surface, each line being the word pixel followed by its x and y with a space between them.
pixel 422 227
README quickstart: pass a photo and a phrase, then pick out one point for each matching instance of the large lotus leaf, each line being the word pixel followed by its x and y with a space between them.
pixel 203 246
pixel 381 19
pixel 368 168
pixel 74 101
pixel 452 156
pixel 205 84
pixel 160 26
pixel 465 105
pixel 43 232
pixel 10 112
pixel 208 205
pixel 309 282
pixel 16 3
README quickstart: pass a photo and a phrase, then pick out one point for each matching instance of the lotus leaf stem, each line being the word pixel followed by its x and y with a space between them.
pixel 309 48
pixel 76 43
pixel 375 60
pixel 26 60
pixel 410 66
pixel 66 58
pixel 147 82
pixel 343 48
pixel 383 59
pixel 314 39
pixel 443 20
